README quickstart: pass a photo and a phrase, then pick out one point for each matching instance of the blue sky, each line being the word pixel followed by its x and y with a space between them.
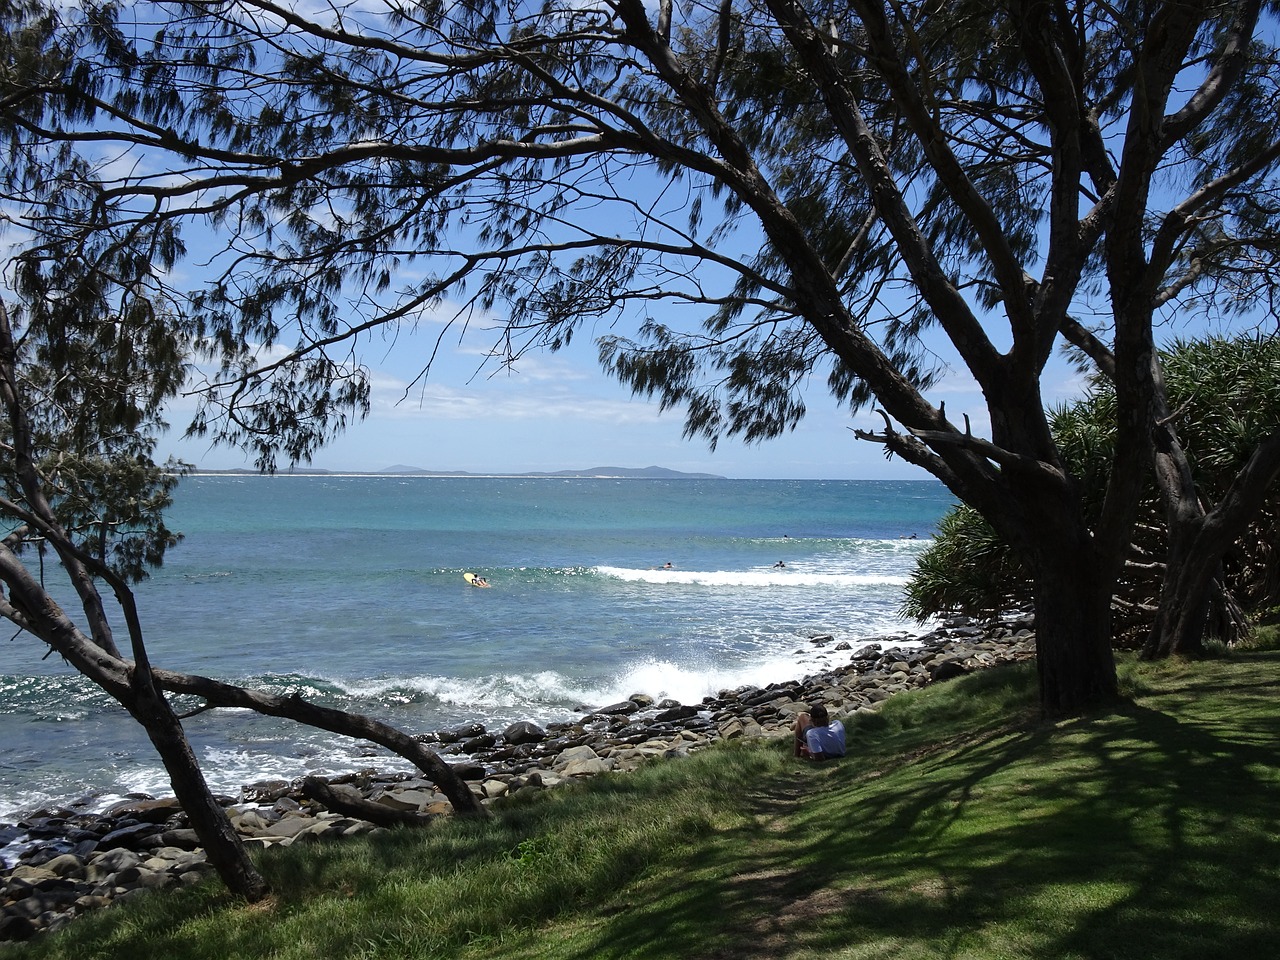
pixel 558 411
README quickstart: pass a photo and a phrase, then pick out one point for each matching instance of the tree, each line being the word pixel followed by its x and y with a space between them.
pixel 834 185
pixel 77 476
pixel 91 348
pixel 1227 394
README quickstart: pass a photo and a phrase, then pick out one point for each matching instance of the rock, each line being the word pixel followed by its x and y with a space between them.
pixel 459 734
pixel 134 837
pixel 264 791
pixel 149 811
pixel 574 754
pixel 946 670
pixel 406 799
pixel 104 864
pixel 524 731
pixel 16 928
pixel 586 767
pixel 185 838
pixel 291 827
pixel 678 712
pixel 625 707
pixel 33 875
pixel 740 728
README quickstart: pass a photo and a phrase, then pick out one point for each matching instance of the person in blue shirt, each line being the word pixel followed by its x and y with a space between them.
pixel 817 737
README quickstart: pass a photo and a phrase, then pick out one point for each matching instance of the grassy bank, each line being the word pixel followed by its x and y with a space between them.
pixel 959 826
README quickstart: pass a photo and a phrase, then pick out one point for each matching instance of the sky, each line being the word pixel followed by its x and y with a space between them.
pixel 560 411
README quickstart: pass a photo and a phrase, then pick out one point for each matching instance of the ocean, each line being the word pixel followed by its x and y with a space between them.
pixel 350 591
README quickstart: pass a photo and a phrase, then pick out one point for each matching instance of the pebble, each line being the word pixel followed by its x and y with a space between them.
pixel 74 862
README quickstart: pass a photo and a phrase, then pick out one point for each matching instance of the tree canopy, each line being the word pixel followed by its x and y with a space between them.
pixel 830 189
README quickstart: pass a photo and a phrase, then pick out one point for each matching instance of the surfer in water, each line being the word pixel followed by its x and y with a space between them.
pixel 475 581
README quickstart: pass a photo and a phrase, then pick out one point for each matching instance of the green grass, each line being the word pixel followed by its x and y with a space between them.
pixel 959 826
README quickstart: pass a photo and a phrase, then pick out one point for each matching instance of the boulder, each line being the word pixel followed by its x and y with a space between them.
pixel 679 712
pixel 68 865
pixel 586 767
pixel 524 731
pixel 290 827
pixel 457 735
pixel 150 811
pixel 946 670
pixel 479 744
pixel 264 791
pixel 625 707
pixel 573 755
pixel 135 837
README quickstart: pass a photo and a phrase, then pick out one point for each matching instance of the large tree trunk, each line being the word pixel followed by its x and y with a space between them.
pixel 1073 624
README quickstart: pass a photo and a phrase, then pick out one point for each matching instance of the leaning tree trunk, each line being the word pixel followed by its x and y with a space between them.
pixel 216 693
pixel 1198 540
pixel 223 846
pixel 1185 591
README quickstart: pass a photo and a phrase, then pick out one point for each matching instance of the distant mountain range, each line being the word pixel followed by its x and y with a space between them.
pixel 401 470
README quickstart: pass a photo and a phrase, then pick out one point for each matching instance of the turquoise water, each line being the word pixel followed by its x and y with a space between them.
pixel 350 590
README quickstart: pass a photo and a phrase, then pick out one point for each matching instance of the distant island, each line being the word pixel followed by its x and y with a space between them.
pixel 400 470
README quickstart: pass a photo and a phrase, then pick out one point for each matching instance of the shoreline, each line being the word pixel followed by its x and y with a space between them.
pixel 70 862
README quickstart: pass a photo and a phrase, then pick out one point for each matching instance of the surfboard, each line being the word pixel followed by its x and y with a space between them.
pixel 472 579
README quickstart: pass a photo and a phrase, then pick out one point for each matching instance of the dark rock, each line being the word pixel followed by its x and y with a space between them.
pixel 469 771
pixel 148 810
pixel 477 744
pixel 459 734
pixel 135 837
pixel 946 670
pixel 184 839
pixel 678 712
pixel 524 732
pixel 16 928
pixel 625 707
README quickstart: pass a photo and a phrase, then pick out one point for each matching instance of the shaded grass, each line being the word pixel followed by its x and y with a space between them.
pixel 959 826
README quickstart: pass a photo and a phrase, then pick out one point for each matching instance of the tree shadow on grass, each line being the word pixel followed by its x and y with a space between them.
pixel 1143 833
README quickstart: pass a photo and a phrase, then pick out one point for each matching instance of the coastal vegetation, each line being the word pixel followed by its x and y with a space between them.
pixel 948 186
pixel 1227 393
pixel 961 824
pixel 961 187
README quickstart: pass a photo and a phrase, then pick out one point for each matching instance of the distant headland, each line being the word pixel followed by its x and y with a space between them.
pixel 400 470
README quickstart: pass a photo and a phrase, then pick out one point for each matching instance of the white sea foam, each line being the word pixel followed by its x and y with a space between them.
pixel 550 695
pixel 781 578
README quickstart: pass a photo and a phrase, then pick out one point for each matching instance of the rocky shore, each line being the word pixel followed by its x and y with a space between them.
pixel 73 862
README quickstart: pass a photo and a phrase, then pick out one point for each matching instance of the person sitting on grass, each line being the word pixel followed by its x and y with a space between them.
pixel 817 736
